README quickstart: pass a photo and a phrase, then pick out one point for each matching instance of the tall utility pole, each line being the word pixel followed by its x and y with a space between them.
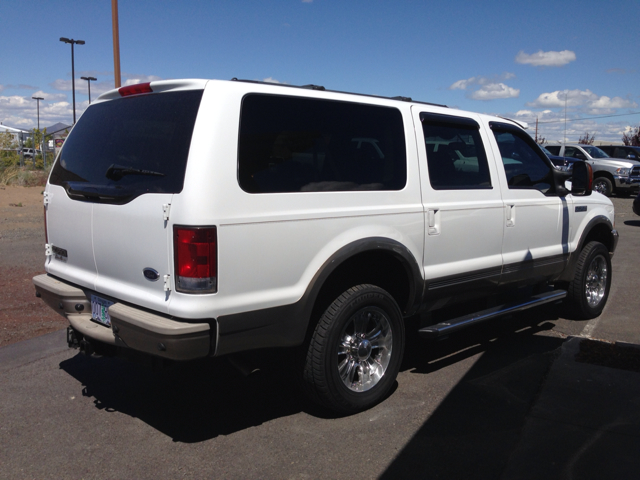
pixel 38 100
pixel 88 79
pixel 73 72
pixel 116 42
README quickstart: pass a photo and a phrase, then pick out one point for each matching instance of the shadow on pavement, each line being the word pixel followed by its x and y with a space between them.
pixel 474 430
pixel 198 401
pixel 189 402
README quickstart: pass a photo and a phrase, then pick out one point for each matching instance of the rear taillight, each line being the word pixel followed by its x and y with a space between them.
pixel 195 254
pixel 136 89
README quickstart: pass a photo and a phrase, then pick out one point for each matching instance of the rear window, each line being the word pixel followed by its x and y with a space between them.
pixel 124 148
pixel 292 144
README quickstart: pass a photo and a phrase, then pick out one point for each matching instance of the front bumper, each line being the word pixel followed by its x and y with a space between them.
pixel 627 182
pixel 130 327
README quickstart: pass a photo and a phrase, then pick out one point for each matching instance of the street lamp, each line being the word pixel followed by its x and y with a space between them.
pixel 38 99
pixel 73 72
pixel 88 79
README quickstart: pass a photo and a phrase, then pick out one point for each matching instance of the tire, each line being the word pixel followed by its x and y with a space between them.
pixel 355 352
pixel 589 289
pixel 603 185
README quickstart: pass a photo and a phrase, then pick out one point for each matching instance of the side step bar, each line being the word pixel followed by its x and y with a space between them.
pixel 450 326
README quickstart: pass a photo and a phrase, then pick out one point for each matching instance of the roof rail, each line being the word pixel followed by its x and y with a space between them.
pixel 314 87
pixel 320 88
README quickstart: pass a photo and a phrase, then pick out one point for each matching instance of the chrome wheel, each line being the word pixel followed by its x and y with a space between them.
pixel 365 349
pixel 354 355
pixel 596 281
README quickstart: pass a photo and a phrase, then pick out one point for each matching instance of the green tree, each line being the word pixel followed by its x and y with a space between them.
pixel 8 150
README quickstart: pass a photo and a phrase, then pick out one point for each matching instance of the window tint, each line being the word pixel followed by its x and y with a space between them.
pixel 525 165
pixel 572 152
pixel 123 148
pixel 455 154
pixel 291 144
pixel 553 149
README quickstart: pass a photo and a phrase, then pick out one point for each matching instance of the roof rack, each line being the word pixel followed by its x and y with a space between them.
pixel 323 89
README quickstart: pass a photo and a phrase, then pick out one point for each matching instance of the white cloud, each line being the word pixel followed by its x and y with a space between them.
pixel 134 79
pixel 546 59
pixel 271 80
pixel 494 91
pixel 50 96
pixel 62 85
pixel 584 100
pixel 490 88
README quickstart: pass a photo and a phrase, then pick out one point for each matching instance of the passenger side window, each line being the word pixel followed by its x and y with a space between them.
pixel 523 161
pixel 455 154
pixel 570 152
pixel 295 144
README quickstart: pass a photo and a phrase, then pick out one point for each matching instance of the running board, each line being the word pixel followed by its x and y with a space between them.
pixel 445 328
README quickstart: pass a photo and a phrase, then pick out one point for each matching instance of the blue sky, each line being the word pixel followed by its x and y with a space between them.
pixel 515 59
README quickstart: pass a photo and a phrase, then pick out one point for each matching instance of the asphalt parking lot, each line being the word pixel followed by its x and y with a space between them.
pixel 507 400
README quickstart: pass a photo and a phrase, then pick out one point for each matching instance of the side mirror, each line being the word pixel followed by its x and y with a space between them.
pixel 580 155
pixel 582 180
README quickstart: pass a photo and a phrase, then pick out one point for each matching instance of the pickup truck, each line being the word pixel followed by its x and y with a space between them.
pixel 610 175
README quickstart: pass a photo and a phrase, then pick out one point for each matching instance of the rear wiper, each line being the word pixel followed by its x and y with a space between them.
pixel 116 172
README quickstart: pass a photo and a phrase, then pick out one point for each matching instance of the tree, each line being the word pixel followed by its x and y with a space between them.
pixel 632 138
pixel 8 149
pixel 587 139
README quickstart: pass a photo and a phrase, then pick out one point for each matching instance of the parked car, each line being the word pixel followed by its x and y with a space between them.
pixel 196 218
pixel 609 174
pixel 562 163
pixel 621 151
pixel 28 152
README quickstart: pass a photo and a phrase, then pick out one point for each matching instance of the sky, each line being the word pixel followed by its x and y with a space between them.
pixel 544 60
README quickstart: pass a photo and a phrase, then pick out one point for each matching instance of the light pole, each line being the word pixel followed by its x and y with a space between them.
pixel 73 72
pixel 38 100
pixel 88 79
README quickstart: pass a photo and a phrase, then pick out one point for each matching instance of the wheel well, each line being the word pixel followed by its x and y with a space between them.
pixel 599 233
pixel 602 173
pixel 379 268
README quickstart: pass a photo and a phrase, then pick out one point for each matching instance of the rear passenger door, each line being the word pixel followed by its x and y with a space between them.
pixel 462 204
pixel 536 219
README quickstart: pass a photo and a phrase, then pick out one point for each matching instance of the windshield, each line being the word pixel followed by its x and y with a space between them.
pixel 127 147
pixel 594 152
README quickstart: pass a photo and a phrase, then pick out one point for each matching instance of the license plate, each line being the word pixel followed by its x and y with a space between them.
pixel 100 310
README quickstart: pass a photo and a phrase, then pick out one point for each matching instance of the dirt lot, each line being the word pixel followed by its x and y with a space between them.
pixel 22 315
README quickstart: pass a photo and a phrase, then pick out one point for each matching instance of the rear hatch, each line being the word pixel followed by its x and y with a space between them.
pixel 110 191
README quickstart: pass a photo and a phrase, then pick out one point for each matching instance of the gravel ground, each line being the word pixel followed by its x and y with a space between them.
pixel 22 315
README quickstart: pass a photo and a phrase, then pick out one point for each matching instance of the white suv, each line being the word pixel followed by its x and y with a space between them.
pixel 195 218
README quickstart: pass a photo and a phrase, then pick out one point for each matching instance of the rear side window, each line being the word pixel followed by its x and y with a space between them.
pixel 553 149
pixel 455 153
pixel 292 144
pixel 123 148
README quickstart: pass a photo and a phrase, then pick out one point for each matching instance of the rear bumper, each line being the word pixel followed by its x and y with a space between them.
pixel 130 327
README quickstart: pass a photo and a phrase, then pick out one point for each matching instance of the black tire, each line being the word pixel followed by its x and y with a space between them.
pixel 355 352
pixel 589 289
pixel 603 185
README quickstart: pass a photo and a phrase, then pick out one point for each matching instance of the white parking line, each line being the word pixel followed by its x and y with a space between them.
pixel 589 327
